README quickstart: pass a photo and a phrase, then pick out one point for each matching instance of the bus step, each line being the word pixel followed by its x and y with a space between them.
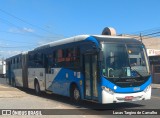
pixel 48 92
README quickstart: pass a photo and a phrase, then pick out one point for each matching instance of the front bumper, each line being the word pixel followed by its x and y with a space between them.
pixel 121 97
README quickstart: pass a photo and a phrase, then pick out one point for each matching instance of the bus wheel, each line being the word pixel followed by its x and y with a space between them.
pixel 37 88
pixel 75 94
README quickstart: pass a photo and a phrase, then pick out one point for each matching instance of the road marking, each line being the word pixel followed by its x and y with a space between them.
pixel 155 97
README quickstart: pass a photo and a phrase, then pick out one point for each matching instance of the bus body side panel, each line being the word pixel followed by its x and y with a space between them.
pixel 50 78
pixel 8 71
pixel 18 77
pixel 36 73
pixel 62 80
pixel 25 70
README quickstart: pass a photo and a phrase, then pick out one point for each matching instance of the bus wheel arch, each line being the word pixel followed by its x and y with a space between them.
pixel 37 87
pixel 75 93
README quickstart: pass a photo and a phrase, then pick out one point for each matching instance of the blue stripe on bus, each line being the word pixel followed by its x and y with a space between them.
pixel 91 38
pixel 110 85
pixel 61 84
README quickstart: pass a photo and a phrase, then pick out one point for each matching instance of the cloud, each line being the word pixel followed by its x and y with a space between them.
pixel 9 53
pixel 21 30
pixel 28 29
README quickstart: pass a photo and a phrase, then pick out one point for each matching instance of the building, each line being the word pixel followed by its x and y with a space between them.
pixel 153 50
pixel 2 68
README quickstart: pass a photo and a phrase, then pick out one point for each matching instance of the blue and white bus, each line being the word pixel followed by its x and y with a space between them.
pixel 99 68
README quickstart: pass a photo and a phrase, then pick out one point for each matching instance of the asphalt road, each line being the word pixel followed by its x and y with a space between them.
pixel 17 98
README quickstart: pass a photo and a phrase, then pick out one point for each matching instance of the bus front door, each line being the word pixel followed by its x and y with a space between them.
pixel 90 71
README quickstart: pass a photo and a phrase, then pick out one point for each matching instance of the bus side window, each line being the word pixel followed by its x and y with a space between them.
pixel 69 57
pixel 77 57
pixel 31 60
pixel 39 59
pixel 55 58
pixel 49 62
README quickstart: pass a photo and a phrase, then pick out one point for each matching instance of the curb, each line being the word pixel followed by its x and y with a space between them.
pixel 157 86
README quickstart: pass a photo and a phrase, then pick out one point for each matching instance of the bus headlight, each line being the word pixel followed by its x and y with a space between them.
pixel 147 89
pixel 108 90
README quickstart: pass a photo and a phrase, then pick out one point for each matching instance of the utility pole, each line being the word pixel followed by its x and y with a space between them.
pixel 141 37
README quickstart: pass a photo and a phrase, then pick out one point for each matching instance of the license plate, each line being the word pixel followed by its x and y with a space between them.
pixel 127 98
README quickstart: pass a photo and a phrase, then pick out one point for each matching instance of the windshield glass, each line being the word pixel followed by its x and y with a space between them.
pixel 137 59
pixel 121 60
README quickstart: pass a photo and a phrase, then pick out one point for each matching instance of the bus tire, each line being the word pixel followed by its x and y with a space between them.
pixel 75 94
pixel 37 88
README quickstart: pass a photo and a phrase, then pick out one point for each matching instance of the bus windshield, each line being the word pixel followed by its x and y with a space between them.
pixel 124 60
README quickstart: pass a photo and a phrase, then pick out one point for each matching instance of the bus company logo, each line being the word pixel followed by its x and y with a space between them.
pixel 6 112
pixel 136 88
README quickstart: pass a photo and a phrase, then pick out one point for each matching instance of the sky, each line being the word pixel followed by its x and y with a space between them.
pixel 26 24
